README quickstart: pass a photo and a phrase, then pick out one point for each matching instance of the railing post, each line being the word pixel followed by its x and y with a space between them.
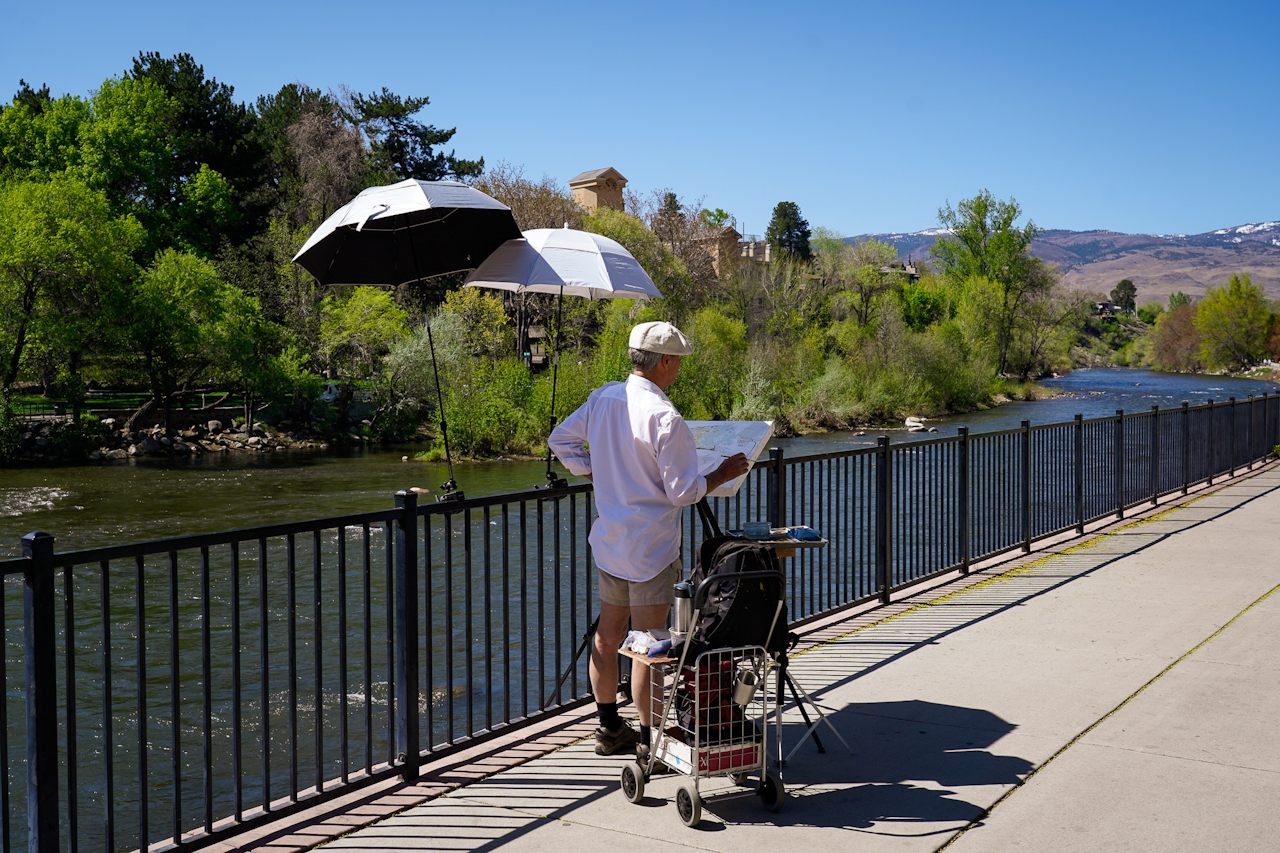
pixel 1249 450
pixel 406 633
pixel 1212 444
pixel 777 495
pixel 1119 463
pixel 42 693
pixel 1266 432
pixel 1079 422
pixel 1026 487
pixel 1231 443
pixel 1186 446
pixel 883 503
pixel 1155 454
pixel 964 500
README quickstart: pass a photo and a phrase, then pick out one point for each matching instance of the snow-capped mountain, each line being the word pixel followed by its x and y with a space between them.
pixel 1158 264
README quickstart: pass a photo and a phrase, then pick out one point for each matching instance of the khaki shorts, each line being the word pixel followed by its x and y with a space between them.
pixel 656 590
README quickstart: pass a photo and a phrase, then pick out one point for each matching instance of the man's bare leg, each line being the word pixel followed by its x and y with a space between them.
pixel 646 618
pixel 604 651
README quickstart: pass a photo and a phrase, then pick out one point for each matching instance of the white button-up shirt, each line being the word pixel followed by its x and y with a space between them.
pixel 643 463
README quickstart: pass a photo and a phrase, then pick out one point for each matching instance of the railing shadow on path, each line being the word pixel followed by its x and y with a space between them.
pixel 865 651
pixel 912 755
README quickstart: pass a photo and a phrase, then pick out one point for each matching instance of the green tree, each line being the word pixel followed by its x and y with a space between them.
pixel 1149 312
pixel 403 146
pixel 255 357
pixel 857 277
pixel 985 243
pixel 1177 299
pixel 175 331
pixel 210 131
pixel 923 303
pixel 1124 295
pixel 39 136
pixel 1234 322
pixel 358 328
pixel 788 231
pixel 718 361
pixel 64 262
pixel 717 218
pixel 667 271
pixel 487 328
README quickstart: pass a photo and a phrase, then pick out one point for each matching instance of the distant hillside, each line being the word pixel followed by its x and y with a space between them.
pixel 1158 264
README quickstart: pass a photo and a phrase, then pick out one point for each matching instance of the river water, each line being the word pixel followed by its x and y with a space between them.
pixel 87 506
pixel 94 505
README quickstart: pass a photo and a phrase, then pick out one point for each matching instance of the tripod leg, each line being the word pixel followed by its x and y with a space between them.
pixel 808 724
pixel 586 638
pixel 822 717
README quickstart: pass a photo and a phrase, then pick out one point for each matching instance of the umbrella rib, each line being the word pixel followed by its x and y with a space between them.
pixel 334 258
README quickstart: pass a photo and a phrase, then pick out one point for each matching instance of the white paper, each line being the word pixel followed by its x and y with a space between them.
pixel 718 440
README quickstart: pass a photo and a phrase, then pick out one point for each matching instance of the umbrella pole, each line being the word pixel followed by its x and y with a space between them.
pixel 553 481
pixel 449 489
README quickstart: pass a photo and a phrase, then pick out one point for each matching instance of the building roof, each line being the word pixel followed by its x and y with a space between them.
pixel 596 175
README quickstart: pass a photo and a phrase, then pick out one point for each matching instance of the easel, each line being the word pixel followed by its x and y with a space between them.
pixel 711 528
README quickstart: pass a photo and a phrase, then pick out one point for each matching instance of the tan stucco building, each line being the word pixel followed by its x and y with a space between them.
pixel 599 188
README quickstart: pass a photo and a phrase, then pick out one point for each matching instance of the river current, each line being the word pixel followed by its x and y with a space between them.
pixel 92 505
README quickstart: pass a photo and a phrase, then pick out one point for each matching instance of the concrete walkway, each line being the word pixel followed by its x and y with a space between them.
pixel 1121 694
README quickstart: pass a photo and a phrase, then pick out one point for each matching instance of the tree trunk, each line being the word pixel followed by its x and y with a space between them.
pixel 145 409
pixel 215 404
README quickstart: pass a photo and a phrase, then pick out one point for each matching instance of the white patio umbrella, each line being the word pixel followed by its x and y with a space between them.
pixel 564 262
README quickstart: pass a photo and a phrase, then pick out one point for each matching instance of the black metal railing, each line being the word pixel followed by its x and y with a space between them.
pixel 184 690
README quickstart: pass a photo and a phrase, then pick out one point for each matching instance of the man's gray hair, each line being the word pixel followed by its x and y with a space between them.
pixel 644 360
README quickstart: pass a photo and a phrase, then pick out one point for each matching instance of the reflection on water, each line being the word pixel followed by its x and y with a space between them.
pixel 91 505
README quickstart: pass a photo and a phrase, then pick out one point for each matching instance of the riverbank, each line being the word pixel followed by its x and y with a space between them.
pixel 151 497
pixel 58 441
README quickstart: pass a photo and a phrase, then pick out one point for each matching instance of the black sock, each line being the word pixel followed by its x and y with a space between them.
pixel 644 735
pixel 609 718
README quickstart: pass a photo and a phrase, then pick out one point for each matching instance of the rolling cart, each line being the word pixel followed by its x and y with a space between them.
pixel 712 720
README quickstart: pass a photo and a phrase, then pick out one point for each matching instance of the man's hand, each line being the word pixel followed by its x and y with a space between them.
pixel 730 469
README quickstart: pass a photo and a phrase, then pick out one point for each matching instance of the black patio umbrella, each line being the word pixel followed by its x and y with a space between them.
pixel 408 232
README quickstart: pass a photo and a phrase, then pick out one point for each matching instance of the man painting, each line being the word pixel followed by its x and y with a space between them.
pixel 643 464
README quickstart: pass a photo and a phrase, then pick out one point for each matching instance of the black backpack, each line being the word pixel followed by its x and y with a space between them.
pixel 737 613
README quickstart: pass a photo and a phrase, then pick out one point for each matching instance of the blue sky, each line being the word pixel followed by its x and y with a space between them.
pixel 1140 117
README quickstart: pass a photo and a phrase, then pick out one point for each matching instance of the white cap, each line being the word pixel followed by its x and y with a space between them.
pixel 657 336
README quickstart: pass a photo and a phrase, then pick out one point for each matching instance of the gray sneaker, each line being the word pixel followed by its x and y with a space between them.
pixel 607 742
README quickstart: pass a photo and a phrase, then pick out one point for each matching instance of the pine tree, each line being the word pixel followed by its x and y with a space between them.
pixel 788 231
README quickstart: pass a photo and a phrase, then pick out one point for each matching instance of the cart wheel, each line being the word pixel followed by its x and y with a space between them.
pixel 633 782
pixel 689 804
pixel 740 779
pixel 772 794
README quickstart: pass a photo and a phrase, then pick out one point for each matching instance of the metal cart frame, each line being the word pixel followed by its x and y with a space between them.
pixel 713 719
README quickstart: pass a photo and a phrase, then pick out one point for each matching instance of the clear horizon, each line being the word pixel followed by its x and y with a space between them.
pixel 1136 117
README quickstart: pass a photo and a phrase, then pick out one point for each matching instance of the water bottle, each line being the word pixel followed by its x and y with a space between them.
pixel 683 615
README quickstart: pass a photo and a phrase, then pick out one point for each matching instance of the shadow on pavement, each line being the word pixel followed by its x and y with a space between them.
pixel 907 756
